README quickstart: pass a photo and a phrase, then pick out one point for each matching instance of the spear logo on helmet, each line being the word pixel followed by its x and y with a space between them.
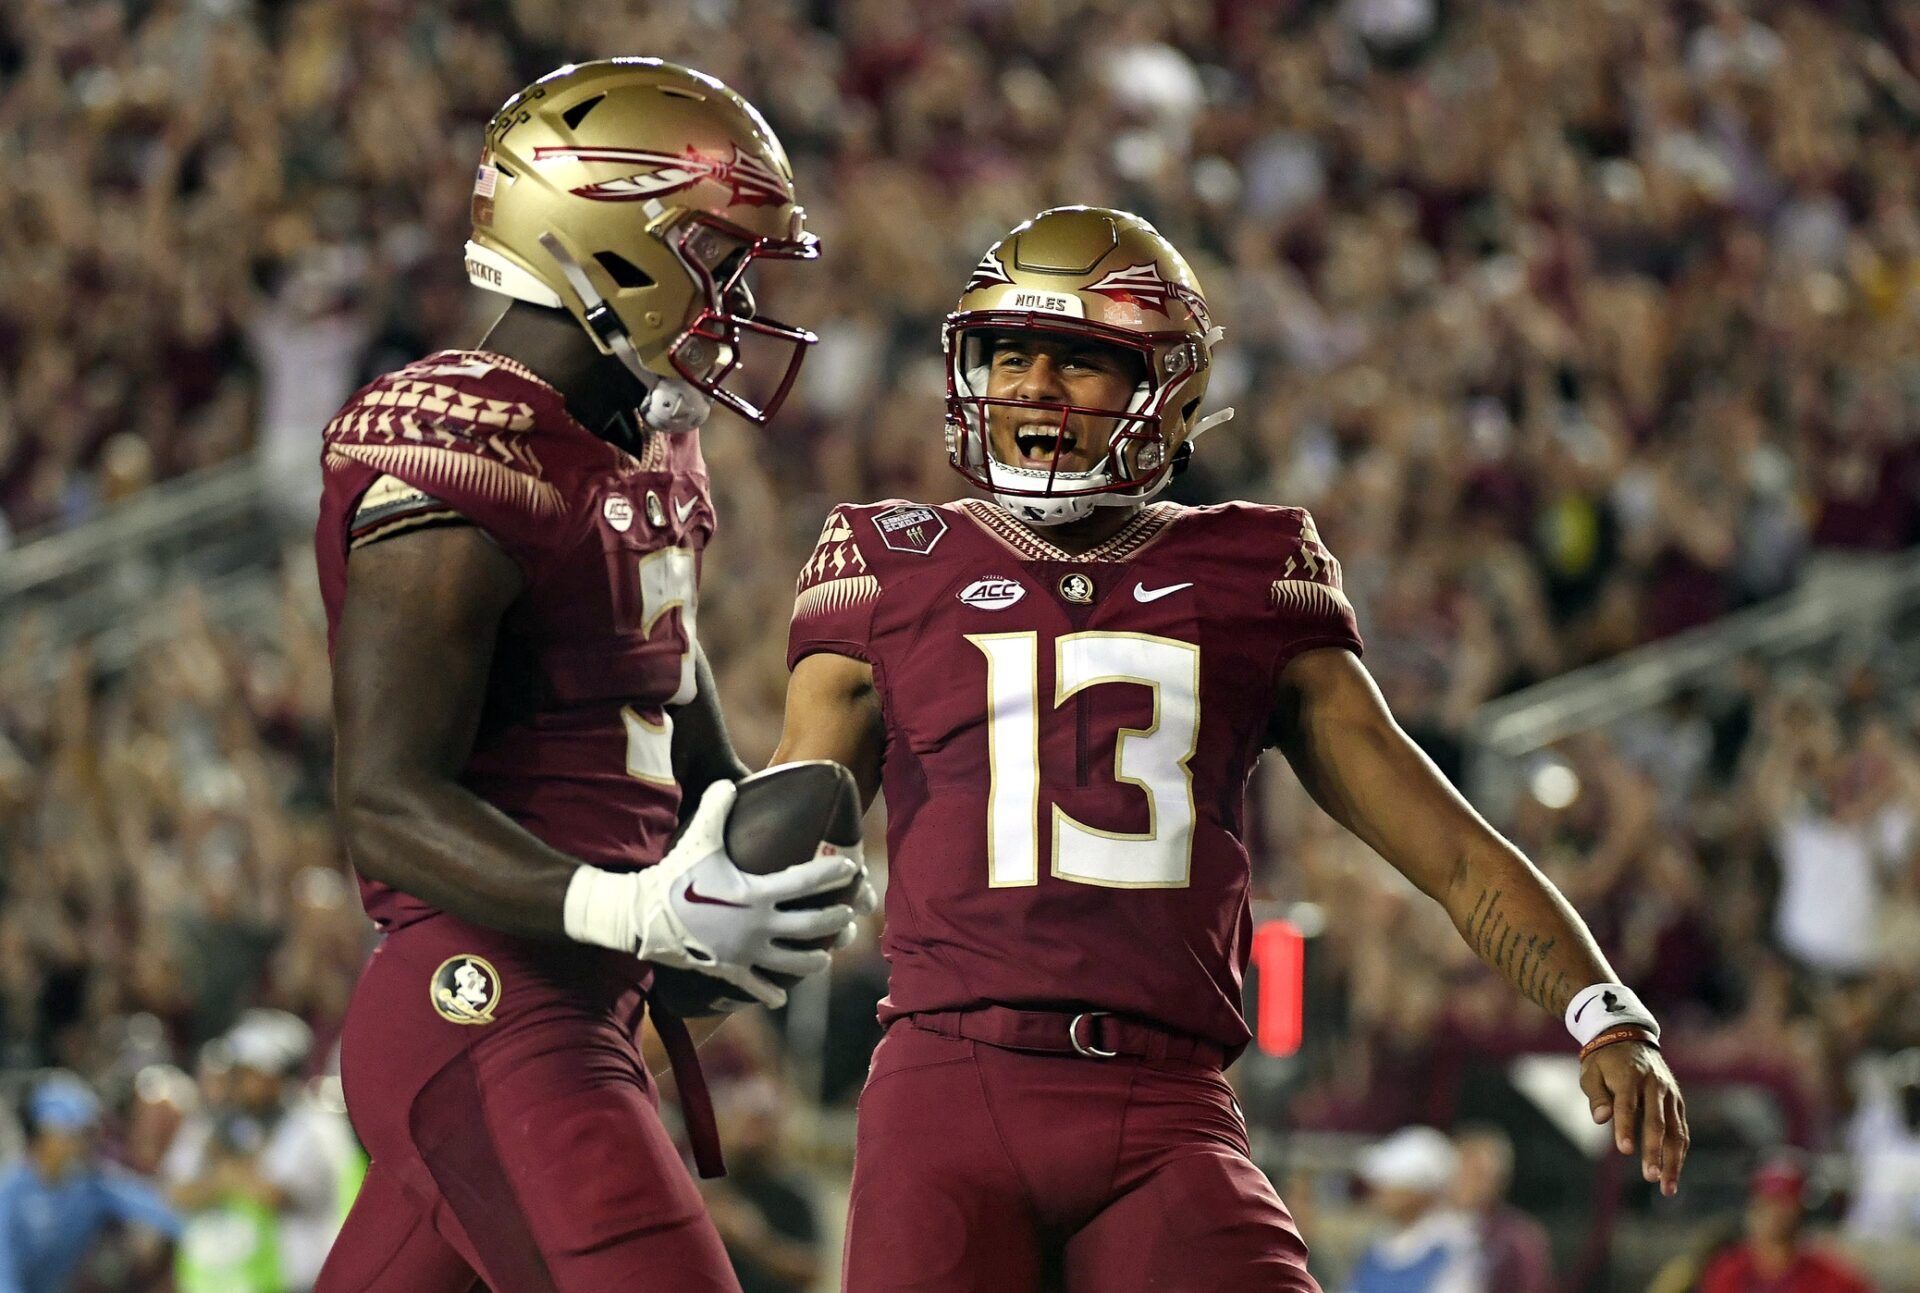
pixel 987 273
pixel 1137 285
pixel 749 180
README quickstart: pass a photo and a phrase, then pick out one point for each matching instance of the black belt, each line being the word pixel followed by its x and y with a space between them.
pixel 1092 1034
pixel 696 1103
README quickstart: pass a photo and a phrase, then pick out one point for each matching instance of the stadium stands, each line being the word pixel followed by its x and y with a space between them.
pixel 1579 326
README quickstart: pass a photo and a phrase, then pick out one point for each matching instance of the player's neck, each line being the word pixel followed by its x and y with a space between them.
pixel 597 390
pixel 1089 532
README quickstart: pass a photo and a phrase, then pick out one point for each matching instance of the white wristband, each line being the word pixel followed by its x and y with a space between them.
pixel 599 908
pixel 1607 1005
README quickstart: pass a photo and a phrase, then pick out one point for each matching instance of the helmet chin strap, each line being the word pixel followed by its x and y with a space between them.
pixel 672 406
pixel 1046 510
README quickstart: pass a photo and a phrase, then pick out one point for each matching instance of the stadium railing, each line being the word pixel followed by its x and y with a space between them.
pixel 104 580
pixel 1846 608
pixel 1843 603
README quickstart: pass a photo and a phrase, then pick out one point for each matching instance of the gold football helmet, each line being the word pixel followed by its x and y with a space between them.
pixel 636 194
pixel 1078 274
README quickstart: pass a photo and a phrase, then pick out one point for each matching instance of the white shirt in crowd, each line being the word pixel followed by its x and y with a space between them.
pixel 1831 876
pixel 1885 1149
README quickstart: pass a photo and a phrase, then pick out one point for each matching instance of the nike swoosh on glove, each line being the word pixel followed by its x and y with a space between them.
pixel 695 910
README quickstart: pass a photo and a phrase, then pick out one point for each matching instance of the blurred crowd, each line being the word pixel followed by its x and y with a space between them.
pixel 176 927
pixel 1439 1220
pixel 168 851
pixel 1749 857
pixel 1577 324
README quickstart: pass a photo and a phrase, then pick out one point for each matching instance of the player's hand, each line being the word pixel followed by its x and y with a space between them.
pixel 1630 1085
pixel 697 911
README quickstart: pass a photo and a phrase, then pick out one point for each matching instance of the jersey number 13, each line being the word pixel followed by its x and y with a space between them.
pixel 1153 758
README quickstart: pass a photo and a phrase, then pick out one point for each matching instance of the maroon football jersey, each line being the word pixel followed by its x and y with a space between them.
pixel 574 741
pixel 1068 743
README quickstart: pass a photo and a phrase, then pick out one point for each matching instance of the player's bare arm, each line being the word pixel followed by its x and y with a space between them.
pixel 410 673
pixel 702 749
pixel 1368 774
pixel 833 712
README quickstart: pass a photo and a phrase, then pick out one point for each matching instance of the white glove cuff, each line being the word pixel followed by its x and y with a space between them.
pixel 600 906
pixel 1607 1005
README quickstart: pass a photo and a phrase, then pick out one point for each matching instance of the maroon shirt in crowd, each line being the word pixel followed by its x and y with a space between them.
pixel 1734 1271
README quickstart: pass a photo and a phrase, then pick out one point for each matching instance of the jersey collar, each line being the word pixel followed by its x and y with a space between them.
pixel 1148 524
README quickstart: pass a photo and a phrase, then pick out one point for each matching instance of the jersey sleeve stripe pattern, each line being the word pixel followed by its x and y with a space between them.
pixel 462 471
pixel 1310 579
pixel 836 595
pixel 835 577
pixel 439 435
pixel 436 399
pixel 1306 596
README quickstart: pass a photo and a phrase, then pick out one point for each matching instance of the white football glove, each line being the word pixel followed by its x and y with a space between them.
pixel 695 910
pixel 866 901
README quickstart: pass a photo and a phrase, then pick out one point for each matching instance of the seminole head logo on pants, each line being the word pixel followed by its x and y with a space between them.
pixel 465 990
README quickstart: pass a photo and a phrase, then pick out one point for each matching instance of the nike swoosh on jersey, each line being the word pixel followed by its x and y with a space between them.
pixel 691 896
pixel 1141 593
pixel 684 510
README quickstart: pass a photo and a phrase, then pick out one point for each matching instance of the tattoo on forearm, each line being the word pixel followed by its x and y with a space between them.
pixel 1521 956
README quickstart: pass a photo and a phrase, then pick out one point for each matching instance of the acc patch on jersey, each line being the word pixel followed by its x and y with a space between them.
pixel 993 593
pixel 465 990
pixel 910 529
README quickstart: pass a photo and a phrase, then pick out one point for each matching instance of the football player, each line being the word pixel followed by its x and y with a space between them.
pixel 1063 689
pixel 509 544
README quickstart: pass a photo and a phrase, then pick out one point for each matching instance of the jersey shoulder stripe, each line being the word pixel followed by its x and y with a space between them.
pixel 459 424
pixel 837 575
pixel 1309 575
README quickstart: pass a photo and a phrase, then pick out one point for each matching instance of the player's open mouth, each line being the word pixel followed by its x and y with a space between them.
pixel 1043 446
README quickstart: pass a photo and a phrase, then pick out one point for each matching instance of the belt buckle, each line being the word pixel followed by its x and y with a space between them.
pixel 1090 1049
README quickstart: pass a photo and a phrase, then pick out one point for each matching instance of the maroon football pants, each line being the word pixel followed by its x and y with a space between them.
pixel 978 1168
pixel 522 1152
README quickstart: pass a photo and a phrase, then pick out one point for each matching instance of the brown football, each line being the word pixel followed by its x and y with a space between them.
pixel 779 818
